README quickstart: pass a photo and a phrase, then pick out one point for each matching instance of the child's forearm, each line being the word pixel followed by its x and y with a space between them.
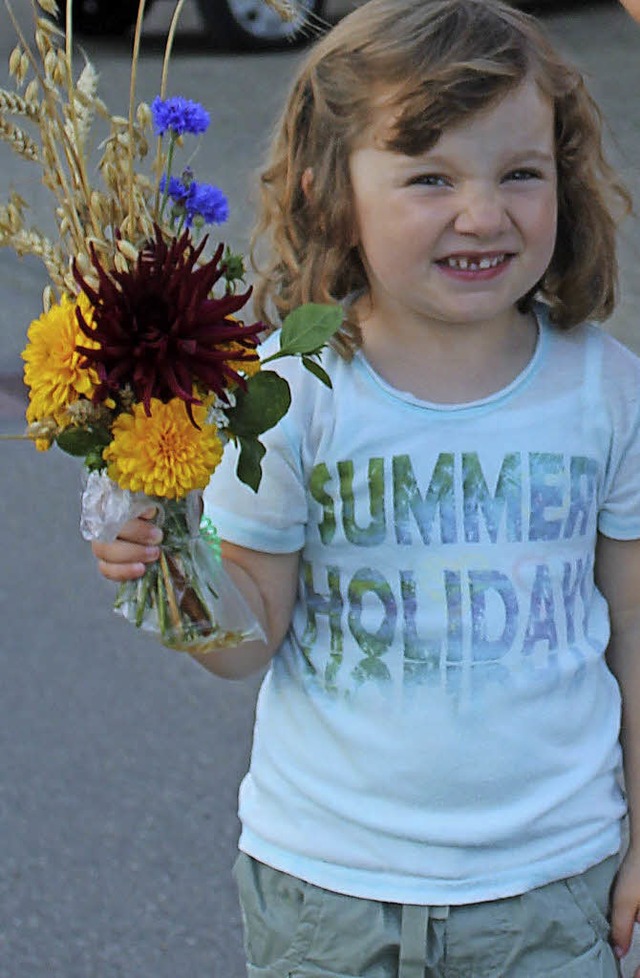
pixel 624 660
pixel 236 663
pixel 245 659
pixel 268 584
pixel 618 577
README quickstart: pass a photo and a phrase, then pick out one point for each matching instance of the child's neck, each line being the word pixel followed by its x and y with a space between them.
pixel 450 364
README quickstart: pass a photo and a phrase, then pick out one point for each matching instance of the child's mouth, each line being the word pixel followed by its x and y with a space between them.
pixel 474 267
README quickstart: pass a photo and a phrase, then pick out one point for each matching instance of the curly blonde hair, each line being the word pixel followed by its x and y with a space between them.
pixel 441 61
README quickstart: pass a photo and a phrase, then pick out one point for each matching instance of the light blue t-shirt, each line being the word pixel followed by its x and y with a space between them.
pixel 440 726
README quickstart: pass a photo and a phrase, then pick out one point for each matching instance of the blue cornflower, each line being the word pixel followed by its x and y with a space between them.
pixel 176 189
pixel 209 203
pixel 196 200
pixel 178 115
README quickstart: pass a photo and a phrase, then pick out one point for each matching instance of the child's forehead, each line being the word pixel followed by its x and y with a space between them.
pixel 394 115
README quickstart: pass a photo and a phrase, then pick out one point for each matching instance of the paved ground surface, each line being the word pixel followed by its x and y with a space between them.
pixel 119 761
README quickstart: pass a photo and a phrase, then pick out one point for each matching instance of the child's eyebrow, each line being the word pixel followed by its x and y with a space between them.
pixel 534 154
pixel 520 155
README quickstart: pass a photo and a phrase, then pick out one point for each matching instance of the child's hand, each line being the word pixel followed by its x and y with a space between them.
pixel 127 556
pixel 625 904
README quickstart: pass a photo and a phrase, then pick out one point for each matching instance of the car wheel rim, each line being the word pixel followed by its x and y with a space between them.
pixel 262 22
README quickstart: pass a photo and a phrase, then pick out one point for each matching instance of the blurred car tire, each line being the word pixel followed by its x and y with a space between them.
pixel 250 25
pixel 106 17
pixel 253 25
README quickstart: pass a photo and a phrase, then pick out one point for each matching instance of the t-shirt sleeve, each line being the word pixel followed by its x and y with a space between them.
pixel 273 519
pixel 619 516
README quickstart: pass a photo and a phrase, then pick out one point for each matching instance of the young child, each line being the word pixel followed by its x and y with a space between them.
pixel 446 542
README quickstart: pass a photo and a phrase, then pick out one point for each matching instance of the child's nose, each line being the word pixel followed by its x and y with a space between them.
pixel 481 213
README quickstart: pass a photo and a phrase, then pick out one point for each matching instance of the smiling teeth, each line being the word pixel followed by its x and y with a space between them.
pixel 469 264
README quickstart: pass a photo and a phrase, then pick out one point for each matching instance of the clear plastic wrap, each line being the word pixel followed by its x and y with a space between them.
pixel 186 598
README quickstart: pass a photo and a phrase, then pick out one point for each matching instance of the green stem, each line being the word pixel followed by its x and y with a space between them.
pixel 165 195
pixel 161 606
pixel 143 593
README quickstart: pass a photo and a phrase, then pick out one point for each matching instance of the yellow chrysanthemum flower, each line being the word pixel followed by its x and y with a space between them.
pixel 163 455
pixel 246 367
pixel 52 367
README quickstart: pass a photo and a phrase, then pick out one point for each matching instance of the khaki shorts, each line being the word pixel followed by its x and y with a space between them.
pixel 296 930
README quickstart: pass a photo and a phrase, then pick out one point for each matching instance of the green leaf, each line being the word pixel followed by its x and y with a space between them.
pixel 249 468
pixel 260 406
pixel 317 371
pixel 94 460
pixel 309 327
pixel 83 441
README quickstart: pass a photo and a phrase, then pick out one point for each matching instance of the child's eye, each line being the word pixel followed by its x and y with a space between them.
pixel 430 180
pixel 522 174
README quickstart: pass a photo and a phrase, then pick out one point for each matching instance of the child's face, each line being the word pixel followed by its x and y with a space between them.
pixel 460 233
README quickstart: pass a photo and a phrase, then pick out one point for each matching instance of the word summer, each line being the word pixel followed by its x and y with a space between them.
pixel 540 496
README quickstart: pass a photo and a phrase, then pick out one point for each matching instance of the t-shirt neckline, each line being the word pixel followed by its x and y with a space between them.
pixel 504 392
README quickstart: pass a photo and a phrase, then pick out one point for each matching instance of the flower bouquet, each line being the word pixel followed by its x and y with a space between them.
pixel 139 363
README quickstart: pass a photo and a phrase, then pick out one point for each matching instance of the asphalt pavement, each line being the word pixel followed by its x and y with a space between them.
pixel 120 760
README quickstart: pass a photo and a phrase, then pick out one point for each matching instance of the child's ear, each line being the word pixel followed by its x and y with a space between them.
pixel 306 182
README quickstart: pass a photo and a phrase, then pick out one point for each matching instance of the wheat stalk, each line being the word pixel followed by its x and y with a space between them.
pixel 49 7
pixel 19 141
pixel 82 108
pixel 286 9
pixel 132 95
pixel 13 104
pixel 51 125
pixel 31 242
pixel 160 156
pixel 63 109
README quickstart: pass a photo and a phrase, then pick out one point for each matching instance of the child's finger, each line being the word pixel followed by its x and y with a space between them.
pixel 125 552
pixel 141 530
pixel 121 572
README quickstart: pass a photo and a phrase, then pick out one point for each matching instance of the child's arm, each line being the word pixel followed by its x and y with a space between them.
pixel 618 577
pixel 633 6
pixel 267 581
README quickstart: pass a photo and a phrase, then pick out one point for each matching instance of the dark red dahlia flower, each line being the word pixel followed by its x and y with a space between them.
pixel 159 329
